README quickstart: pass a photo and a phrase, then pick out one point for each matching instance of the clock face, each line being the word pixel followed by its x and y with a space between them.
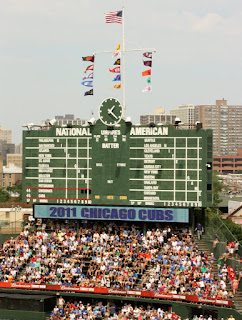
pixel 110 112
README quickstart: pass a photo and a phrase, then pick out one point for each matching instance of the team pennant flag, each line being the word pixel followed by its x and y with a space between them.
pixel 148 55
pixel 113 17
pixel 117 62
pixel 146 73
pixel 149 80
pixel 118 47
pixel 89 93
pixel 117 78
pixel 90 76
pixel 117 70
pixel 117 86
pixel 90 58
pixel 146 89
pixel 91 67
pixel 116 54
pixel 148 63
pixel 87 83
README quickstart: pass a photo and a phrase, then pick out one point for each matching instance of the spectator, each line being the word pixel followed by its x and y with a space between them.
pixel 235 285
pixel 236 249
pixel 199 229
pixel 216 241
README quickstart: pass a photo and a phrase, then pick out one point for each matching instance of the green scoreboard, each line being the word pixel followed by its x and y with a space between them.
pixel 112 162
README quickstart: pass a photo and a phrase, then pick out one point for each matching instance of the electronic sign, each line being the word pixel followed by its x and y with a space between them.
pixel 112 162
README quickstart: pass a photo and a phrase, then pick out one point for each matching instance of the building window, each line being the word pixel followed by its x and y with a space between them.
pixel 3 175
pixel 227 159
pixel 10 175
pixel 3 184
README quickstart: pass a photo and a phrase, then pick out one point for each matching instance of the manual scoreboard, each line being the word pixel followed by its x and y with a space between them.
pixel 111 162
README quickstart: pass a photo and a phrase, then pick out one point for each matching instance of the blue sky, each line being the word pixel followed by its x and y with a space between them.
pixel 198 56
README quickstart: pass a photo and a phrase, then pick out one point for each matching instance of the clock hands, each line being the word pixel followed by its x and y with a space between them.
pixel 110 111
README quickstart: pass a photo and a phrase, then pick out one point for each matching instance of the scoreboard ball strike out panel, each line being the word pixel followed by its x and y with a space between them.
pixel 114 163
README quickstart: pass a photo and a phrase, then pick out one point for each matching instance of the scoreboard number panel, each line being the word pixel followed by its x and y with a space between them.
pixel 114 163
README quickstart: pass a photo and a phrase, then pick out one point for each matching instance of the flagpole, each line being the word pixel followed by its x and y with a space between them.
pixel 123 65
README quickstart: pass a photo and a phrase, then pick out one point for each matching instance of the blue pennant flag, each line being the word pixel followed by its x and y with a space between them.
pixel 87 83
pixel 117 78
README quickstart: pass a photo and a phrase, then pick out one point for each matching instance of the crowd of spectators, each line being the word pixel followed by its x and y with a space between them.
pixel 78 310
pixel 116 256
pixel 16 253
pixel 231 250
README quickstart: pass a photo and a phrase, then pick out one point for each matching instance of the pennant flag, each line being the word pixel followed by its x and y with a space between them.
pixel 118 47
pixel 147 55
pixel 116 54
pixel 87 83
pixel 89 93
pixel 90 76
pixel 113 17
pixel 148 63
pixel 91 67
pixel 146 73
pixel 117 70
pixel 149 80
pixel 146 89
pixel 117 62
pixel 90 58
pixel 117 86
pixel 117 78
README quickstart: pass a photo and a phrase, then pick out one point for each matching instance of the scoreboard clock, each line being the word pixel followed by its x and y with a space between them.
pixel 110 112
pixel 124 165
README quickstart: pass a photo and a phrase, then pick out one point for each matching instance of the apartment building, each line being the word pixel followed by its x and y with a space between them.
pixel 186 113
pixel 159 116
pixel 225 120
pixel 5 135
pixel 68 119
pixel 14 159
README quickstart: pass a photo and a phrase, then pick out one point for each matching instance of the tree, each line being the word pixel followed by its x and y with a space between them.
pixel 238 172
pixel 217 188
pixel 4 195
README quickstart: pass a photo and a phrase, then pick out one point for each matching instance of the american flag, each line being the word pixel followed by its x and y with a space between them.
pixel 113 17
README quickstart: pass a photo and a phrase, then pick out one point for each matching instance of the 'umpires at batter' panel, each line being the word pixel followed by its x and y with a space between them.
pixel 114 163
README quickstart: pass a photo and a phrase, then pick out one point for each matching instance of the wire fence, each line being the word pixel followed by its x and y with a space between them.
pixel 14 227
pixel 216 227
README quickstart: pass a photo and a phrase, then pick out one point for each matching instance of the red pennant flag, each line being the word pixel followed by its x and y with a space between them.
pixel 91 67
pixel 148 63
pixel 148 55
pixel 146 73
pixel 116 70
pixel 90 58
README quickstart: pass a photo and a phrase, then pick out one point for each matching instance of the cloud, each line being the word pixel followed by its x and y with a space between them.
pixel 214 22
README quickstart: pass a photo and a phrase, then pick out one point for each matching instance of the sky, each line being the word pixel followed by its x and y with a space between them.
pixel 198 56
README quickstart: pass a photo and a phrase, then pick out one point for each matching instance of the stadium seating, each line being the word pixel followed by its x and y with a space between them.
pixel 117 256
pixel 78 310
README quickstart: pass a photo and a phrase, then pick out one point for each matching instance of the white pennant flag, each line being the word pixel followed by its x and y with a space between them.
pixel 116 54
pixel 146 89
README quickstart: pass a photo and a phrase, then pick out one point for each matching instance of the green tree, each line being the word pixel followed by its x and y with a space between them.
pixel 238 172
pixel 217 188
pixel 4 195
